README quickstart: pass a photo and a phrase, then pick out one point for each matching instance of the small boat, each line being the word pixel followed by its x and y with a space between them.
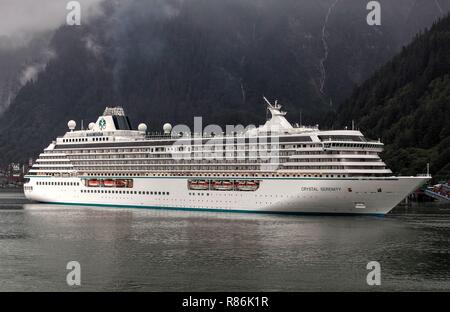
pixel 247 185
pixel 121 183
pixel 222 185
pixel 198 185
pixel 109 183
pixel 440 192
pixel 93 183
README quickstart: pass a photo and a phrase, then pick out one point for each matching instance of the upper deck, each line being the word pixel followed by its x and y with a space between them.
pixel 110 145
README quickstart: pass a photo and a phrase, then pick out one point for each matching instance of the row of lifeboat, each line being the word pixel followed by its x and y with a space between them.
pixel 110 183
pixel 223 185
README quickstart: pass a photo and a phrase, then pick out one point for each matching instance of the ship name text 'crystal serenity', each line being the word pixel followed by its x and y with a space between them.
pixel 276 168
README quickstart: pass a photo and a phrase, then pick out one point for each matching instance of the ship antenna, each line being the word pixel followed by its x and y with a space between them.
pixel 267 101
pixel 267 107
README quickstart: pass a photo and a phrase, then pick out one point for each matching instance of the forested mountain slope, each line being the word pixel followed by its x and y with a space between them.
pixel 407 104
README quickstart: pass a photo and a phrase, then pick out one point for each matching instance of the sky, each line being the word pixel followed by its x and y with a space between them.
pixel 26 17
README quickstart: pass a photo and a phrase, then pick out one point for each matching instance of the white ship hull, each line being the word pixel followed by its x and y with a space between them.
pixel 274 195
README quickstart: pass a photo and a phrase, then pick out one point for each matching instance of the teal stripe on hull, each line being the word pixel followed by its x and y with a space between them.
pixel 219 210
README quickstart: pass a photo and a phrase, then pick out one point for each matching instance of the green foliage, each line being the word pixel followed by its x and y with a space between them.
pixel 407 104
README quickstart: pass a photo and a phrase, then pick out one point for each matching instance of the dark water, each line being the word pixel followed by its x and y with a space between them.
pixel 157 250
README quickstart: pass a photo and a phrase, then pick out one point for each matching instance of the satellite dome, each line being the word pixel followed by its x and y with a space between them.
pixel 71 124
pixel 91 126
pixel 167 128
pixel 142 127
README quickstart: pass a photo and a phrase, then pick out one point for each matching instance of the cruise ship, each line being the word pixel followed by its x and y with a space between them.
pixel 274 168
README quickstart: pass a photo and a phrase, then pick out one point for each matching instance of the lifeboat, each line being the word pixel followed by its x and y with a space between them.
pixel 223 185
pixel 121 183
pixel 247 185
pixel 93 182
pixel 198 185
pixel 109 183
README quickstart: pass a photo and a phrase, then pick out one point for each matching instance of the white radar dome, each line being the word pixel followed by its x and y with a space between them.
pixel 91 126
pixel 142 127
pixel 71 124
pixel 167 128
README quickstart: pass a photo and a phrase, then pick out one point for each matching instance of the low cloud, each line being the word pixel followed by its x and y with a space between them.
pixel 21 19
pixel 92 45
pixel 31 71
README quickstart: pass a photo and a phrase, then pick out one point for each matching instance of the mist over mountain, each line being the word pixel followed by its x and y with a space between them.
pixel 168 61
pixel 407 104
pixel 21 63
